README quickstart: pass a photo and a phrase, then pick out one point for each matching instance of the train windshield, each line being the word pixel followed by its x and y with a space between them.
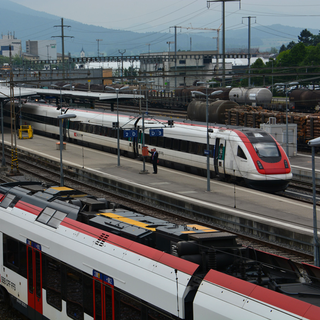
pixel 266 149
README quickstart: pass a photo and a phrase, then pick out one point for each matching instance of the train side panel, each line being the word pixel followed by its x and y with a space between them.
pixel 244 300
pixel 76 245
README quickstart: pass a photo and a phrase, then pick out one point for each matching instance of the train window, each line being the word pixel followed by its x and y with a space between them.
pixel 184 146
pixel 74 294
pixel 153 141
pixel 160 142
pixel 240 153
pixel 168 143
pixel 129 307
pixel 266 149
pixel 14 255
pixel 90 128
pixel 146 138
pixel 11 253
pixel 83 127
pixel 53 282
pixel 87 295
pixel 154 314
pixel 176 144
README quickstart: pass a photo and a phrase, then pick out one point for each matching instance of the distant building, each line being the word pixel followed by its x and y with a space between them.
pixel 8 41
pixel 30 57
pixel 82 53
pixel 44 49
pixel 190 66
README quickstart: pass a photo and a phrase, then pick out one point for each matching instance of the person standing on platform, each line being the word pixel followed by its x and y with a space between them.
pixel 154 160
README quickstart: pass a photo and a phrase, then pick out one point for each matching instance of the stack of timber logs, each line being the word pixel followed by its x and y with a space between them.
pixel 308 125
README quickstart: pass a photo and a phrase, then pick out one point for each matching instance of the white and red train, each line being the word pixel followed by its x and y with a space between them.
pixel 236 153
pixel 67 255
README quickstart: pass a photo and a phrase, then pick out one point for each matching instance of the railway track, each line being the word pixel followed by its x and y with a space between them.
pixel 36 169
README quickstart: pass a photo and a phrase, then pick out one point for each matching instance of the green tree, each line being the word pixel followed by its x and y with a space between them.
pixel 306 37
pixel 274 50
pixel 291 45
pixel 315 39
pixel 282 48
pixel 297 54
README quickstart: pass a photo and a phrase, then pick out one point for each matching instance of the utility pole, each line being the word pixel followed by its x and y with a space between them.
pixel 175 56
pixel 249 45
pixel 122 53
pixel 14 151
pixel 62 40
pixel 98 40
pixel 169 42
pixel 223 37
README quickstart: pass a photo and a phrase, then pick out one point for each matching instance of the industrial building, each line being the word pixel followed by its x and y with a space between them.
pixel 44 49
pixel 9 41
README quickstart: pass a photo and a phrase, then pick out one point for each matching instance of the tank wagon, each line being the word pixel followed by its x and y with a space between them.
pixel 182 96
pixel 258 96
pixel 305 100
pixel 69 255
pixel 197 110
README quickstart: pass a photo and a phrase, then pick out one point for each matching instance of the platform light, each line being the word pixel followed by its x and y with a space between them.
pixel 207 120
pixel 61 117
pixel 117 123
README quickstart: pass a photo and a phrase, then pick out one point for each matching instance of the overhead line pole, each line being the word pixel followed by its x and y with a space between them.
pixel 62 40
pixel 223 37
pixel 249 45
pixel 175 55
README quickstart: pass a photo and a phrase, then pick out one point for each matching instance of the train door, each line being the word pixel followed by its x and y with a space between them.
pixel 103 297
pixel 34 275
pixel 219 157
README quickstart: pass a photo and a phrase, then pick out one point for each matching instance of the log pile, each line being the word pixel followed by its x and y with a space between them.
pixel 308 125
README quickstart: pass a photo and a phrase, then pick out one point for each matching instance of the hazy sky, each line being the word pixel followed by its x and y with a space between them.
pixel 152 15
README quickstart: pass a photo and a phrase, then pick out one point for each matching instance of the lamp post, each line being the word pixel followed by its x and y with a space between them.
pixel 207 121
pixel 61 117
pixel 147 92
pixel 3 162
pixel 118 133
pixel 287 130
pixel 314 143
pixel 140 82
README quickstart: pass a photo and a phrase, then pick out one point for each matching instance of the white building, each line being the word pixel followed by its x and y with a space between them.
pixel 44 49
pixel 166 71
pixel 8 41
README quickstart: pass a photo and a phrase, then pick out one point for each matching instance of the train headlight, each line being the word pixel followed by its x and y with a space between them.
pixel 286 164
pixel 260 166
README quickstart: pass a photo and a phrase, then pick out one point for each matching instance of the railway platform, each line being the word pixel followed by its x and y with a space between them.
pixel 229 206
